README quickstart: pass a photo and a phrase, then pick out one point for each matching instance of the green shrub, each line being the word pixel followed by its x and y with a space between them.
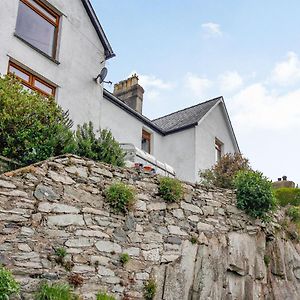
pixel 8 285
pixel 124 258
pixel 287 196
pixel 222 174
pixel 194 239
pixel 61 252
pixel 120 197
pixel 32 127
pixel 104 296
pixel 55 292
pixel 254 193
pixel 170 189
pixel 150 289
pixel 103 148
pixel 294 213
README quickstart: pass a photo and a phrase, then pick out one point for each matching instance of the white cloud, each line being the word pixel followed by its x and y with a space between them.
pixel 257 108
pixel 230 81
pixel 153 86
pixel 287 72
pixel 197 85
pixel 212 29
pixel 151 81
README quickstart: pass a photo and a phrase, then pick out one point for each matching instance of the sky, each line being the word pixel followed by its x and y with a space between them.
pixel 187 52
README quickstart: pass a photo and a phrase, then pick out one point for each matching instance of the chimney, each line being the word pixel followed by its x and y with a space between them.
pixel 130 92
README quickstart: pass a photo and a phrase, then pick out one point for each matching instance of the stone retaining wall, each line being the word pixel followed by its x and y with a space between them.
pixel 61 203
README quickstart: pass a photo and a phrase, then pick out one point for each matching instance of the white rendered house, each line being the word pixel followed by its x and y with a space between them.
pixel 58 47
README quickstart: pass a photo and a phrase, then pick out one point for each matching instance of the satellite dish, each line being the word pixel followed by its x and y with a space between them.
pixel 102 75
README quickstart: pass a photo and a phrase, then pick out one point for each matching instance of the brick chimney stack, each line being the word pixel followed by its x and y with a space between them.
pixel 130 92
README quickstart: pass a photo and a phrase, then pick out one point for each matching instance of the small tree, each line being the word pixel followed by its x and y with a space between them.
pixel 223 172
pixel 254 193
pixel 32 127
pixel 103 148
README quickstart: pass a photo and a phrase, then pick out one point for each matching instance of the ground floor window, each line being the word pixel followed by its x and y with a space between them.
pixel 31 81
pixel 146 141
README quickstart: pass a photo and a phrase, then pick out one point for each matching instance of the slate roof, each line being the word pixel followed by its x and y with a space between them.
pixel 185 118
pixel 108 51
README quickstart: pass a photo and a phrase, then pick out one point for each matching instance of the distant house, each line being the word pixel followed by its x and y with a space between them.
pixel 189 140
pixel 58 47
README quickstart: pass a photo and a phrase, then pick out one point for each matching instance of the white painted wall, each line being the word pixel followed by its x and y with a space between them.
pixel 178 150
pixel 79 53
pixel 213 126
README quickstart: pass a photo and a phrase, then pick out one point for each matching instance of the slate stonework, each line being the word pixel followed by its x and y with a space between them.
pixel 60 203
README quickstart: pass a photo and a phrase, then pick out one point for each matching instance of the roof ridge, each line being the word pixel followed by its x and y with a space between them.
pixel 180 110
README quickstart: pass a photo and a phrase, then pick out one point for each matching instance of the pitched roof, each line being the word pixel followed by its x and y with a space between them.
pixel 185 118
pixel 109 53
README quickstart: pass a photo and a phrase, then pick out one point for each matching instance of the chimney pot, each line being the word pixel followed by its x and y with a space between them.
pixel 284 178
pixel 130 92
pixel 279 179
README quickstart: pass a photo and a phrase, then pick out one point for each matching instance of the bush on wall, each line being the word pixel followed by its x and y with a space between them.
pixel 8 285
pixel 254 193
pixel 32 127
pixel 222 174
pixel 170 189
pixel 287 196
pixel 103 148
pixel 56 291
pixel 120 197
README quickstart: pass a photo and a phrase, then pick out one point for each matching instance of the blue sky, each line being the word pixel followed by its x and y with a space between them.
pixel 189 51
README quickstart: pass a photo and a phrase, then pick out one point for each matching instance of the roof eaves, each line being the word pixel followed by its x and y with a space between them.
pixel 167 132
pixel 108 51
pixel 109 96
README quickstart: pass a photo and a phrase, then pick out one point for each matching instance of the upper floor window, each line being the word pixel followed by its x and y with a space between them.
pixel 218 150
pixel 31 81
pixel 38 25
pixel 146 141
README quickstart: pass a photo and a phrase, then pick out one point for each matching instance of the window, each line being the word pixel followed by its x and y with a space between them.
pixel 218 150
pixel 146 141
pixel 30 81
pixel 38 25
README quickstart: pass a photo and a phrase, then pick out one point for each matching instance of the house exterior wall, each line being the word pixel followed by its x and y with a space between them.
pixel 124 127
pixel 178 150
pixel 79 54
pixel 213 126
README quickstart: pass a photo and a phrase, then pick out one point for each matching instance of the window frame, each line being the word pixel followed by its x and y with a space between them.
pixel 32 79
pixel 218 150
pixel 56 24
pixel 147 136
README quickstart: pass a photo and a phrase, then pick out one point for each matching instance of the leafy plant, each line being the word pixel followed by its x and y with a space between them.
pixel 32 127
pixel 120 197
pixel 150 289
pixel 222 174
pixel 170 189
pixel 61 252
pixel 294 213
pixel 193 240
pixel 124 258
pixel 267 260
pixel 104 296
pixel 8 285
pixel 103 148
pixel 287 196
pixel 55 292
pixel 254 193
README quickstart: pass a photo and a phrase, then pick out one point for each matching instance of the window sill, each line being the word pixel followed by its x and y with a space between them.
pixel 38 50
